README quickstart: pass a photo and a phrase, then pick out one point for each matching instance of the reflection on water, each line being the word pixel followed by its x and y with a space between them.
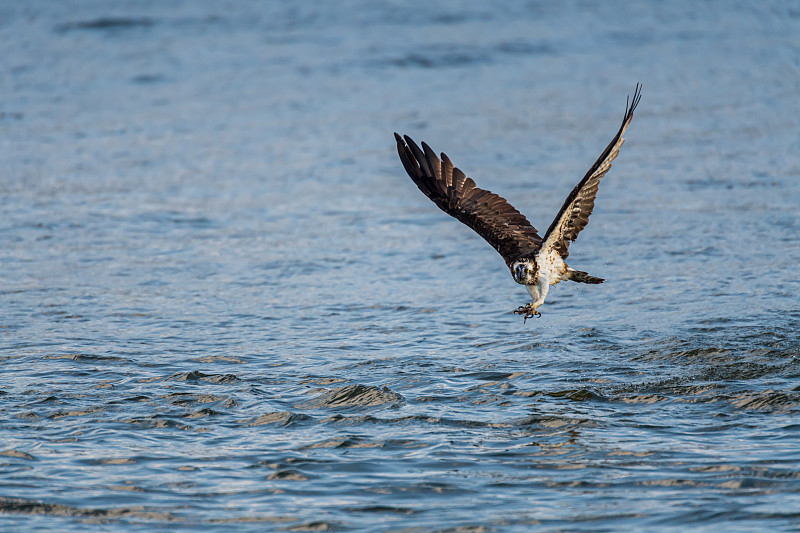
pixel 225 306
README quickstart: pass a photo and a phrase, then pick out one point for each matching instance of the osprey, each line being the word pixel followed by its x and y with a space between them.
pixel 534 261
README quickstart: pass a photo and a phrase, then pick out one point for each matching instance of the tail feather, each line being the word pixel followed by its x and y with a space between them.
pixel 583 277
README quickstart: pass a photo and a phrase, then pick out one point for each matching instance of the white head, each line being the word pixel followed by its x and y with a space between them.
pixel 525 272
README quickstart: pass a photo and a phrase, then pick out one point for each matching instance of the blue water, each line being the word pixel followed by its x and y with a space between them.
pixel 225 307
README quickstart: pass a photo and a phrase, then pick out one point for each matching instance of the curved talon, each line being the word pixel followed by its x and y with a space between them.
pixel 529 315
pixel 528 311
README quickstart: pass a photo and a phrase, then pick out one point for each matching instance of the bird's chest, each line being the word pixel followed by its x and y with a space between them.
pixel 552 267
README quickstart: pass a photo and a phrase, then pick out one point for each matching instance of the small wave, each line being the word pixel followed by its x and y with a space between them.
pixel 155 422
pixel 577 395
pixel 21 506
pixel 202 413
pixel 16 453
pixel 382 509
pixel 353 442
pixel 766 401
pixel 288 475
pixel 708 355
pixel 554 422
pixel 317 526
pixel 106 23
pixel 355 396
pixel 87 358
pixel 188 398
pixel 643 398
pixel 444 56
pixel 434 420
pixel 219 359
pixel 79 412
pixel 281 418
pixel 196 375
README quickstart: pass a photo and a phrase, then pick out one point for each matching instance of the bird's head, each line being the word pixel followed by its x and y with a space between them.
pixel 524 272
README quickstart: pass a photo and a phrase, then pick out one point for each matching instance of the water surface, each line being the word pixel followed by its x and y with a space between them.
pixel 224 306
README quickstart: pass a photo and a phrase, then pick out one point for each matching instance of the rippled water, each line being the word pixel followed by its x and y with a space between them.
pixel 224 306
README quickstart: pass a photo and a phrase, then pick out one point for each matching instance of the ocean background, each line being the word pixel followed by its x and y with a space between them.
pixel 225 307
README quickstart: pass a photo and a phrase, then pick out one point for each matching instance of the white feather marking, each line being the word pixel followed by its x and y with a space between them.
pixel 552 269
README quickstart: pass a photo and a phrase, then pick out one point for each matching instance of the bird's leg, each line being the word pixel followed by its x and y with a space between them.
pixel 527 310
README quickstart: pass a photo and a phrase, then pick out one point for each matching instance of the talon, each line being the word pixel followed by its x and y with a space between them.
pixel 529 314
pixel 527 311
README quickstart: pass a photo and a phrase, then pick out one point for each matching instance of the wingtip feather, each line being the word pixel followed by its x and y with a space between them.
pixel 631 103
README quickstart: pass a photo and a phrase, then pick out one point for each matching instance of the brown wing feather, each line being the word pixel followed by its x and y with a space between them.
pixel 489 214
pixel 574 214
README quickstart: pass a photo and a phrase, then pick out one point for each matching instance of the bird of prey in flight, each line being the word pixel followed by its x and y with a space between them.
pixel 534 261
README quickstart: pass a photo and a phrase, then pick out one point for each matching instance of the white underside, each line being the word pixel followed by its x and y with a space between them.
pixel 552 269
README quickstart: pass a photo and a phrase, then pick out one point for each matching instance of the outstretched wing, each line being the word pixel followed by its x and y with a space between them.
pixel 574 214
pixel 489 214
